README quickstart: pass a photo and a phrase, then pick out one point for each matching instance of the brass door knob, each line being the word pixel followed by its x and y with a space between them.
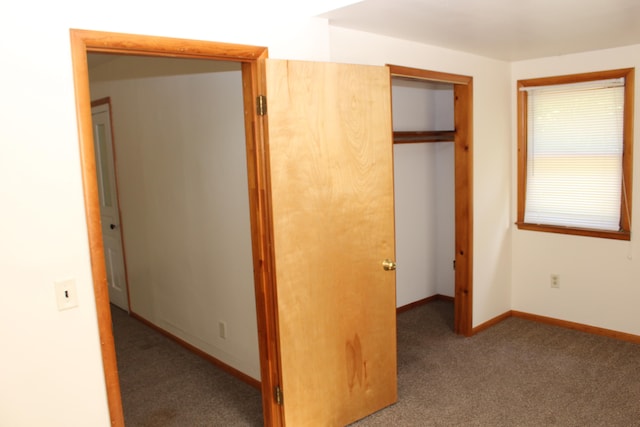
pixel 388 265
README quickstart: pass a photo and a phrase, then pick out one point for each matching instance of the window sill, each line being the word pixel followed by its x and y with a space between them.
pixel 604 234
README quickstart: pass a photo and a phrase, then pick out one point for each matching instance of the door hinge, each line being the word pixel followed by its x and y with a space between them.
pixel 261 104
pixel 278 395
pixel 454 264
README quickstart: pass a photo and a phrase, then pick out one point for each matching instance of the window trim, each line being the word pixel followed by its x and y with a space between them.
pixel 627 152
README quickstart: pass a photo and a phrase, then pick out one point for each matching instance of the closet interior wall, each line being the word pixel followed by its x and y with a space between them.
pixel 424 189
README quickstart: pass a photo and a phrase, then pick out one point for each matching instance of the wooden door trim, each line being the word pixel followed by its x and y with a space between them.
pixel 463 155
pixel 251 59
pixel 432 76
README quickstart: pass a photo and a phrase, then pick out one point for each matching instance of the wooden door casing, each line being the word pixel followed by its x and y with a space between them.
pixel 251 57
pixel 463 170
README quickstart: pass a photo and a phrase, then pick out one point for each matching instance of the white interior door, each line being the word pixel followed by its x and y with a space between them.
pixel 109 212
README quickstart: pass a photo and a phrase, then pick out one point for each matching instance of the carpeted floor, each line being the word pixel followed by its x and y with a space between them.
pixel 517 373
pixel 164 385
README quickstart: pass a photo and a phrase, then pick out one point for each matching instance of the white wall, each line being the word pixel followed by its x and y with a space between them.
pixel 492 150
pixel 445 195
pixel 182 176
pixel 424 207
pixel 446 221
pixel 415 194
pixel 51 371
pixel 599 278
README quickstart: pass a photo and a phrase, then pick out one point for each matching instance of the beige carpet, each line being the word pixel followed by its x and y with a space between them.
pixel 163 384
pixel 517 373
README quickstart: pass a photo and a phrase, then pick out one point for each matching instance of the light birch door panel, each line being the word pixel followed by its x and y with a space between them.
pixel 330 144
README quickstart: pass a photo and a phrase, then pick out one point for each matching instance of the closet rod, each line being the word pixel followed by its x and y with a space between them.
pixel 424 136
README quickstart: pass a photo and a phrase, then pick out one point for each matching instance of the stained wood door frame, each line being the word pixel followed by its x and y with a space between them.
pixel 463 165
pixel 251 59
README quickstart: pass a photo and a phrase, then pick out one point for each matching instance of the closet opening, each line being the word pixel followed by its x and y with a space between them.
pixel 432 123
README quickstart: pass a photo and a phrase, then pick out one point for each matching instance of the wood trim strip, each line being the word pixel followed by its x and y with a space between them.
pixel 195 350
pixel 576 78
pixel 436 76
pixel 578 327
pixel 616 235
pixel 94 228
pixel 441 297
pixel 491 322
pixel 402 137
pixel 101 101
pixel 595 330
pixel 522 130
pixel 627 153
pixel 412 305
pixel 254 84
pixel 463 152
pixel 134 44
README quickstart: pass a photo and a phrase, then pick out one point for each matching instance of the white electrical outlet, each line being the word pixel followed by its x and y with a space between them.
pixel 66 294
pixel 222 330
pixel 555 281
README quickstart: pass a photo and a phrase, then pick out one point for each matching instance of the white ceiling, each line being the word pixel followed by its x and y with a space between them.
pixel 509 30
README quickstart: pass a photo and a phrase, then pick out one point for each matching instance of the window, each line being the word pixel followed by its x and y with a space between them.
pixel 575 154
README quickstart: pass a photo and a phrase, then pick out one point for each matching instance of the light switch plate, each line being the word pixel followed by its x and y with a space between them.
pixel 66 294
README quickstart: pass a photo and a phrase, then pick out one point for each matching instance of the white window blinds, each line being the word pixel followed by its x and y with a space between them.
pixel 574 154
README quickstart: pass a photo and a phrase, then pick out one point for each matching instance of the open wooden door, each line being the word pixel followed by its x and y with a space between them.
pixel 331 172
